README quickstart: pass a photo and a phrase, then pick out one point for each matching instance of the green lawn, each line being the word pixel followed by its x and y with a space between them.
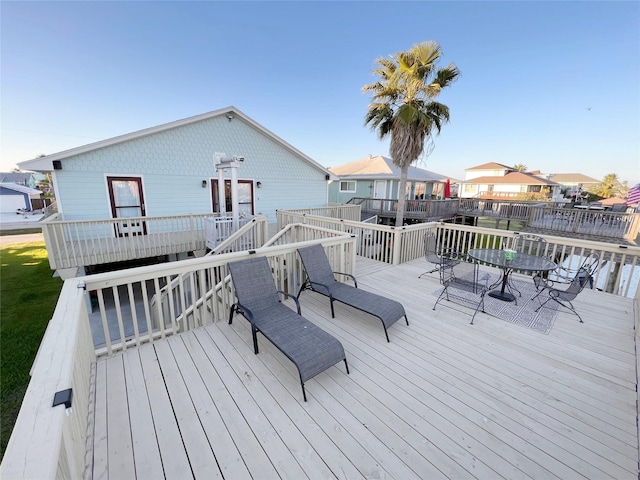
pixel 28 296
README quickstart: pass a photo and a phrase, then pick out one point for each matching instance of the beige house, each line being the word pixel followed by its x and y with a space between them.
pixel 494 180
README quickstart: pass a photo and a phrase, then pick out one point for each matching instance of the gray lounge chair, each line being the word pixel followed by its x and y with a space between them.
pixel 310 348
pixel 321 279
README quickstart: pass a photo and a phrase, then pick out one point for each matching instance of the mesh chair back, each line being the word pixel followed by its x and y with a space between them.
pixel 431 248
pixel 317 265
pixel 578 283
pixel 590 264
pixel 531 244
pixel 253 283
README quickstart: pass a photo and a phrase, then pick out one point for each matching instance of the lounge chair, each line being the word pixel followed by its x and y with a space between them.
pixel 310 348
pixel 321 279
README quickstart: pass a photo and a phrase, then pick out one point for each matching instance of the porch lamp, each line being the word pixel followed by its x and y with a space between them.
pixel 204 184
pixel 222 163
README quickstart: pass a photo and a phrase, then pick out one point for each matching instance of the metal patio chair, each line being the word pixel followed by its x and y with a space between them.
pixel 310 348
pixel 564 296
pixel 435 255
pixel 465 283
pixel 321 279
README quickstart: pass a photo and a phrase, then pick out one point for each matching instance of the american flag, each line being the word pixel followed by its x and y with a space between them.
pixel 633 196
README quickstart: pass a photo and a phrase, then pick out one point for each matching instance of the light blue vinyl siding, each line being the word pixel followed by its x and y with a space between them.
pixel 173 164
pixel 362 191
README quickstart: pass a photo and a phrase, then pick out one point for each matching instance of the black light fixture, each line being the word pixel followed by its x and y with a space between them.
pixel 259 184
pixel 204 184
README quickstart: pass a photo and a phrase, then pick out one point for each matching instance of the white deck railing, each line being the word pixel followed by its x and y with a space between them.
pixel 253 234
pixel 620 264
pixel 188 294
pixel 343 211
pixel 92 242
pixel 45 442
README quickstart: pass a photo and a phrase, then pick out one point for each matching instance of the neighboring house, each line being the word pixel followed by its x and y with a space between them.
pixel 27 179
pixel 378 177
pixel 571 183
pixel 494 180
pixel 169 170
pixel 15 197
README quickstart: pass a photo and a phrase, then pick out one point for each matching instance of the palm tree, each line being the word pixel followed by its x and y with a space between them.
pixel 610 186
pixel 402 105
pixel 519 167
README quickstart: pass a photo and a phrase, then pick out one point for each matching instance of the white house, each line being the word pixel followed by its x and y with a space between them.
pixel 494 180
pixel 15 197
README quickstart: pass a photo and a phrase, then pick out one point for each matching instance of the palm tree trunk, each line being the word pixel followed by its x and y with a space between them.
pixel 402 188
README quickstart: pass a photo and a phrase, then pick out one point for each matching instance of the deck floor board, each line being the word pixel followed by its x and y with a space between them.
pixel 443 399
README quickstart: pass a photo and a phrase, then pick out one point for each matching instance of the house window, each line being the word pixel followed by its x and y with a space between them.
pixel 348 186
pixel 469 188
pixel 127 201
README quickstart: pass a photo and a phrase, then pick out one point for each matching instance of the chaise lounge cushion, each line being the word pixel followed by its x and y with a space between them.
pixel 309 347
pixel 321 279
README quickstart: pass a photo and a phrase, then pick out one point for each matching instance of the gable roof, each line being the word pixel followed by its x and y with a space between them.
pixel 489 166
pixel 514 178
pixel 20 188
pixel 45 164
pixel 380 167
pixel 15 177
pixel 571 178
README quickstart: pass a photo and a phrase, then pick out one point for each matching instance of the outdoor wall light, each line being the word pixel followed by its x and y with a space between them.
pixel 204 184
pixel 259 184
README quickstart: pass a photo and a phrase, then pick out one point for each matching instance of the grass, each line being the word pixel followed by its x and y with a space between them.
pixel 19 231
pixel 28 296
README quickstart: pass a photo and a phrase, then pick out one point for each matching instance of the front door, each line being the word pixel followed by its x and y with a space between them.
pixel 379 191
pixel 245 196
pixel 127 201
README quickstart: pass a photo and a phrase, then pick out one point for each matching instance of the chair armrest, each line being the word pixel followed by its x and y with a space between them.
pixel 348 275
pixel 287 294
pixel 316 284
pixel 245 312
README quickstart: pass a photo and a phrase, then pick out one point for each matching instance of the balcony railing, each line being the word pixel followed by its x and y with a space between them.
pixel 414 209
pixel 72 244
pixel 77 243
pixel 619 263
pixel 46 443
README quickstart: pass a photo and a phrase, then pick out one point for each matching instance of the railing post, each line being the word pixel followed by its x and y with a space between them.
pixel 397 247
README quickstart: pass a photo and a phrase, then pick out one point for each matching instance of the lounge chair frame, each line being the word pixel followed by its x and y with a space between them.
pixel 321 279
pixel 311 349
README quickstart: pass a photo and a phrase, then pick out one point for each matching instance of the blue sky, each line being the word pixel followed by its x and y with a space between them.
pixel 551 85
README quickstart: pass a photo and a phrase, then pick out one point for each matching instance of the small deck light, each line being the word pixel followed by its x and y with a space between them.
pixel 204 184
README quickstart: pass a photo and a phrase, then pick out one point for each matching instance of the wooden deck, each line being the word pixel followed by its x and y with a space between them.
pixel 443 399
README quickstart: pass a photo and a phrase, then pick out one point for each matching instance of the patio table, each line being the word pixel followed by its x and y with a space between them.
pixel 522 262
